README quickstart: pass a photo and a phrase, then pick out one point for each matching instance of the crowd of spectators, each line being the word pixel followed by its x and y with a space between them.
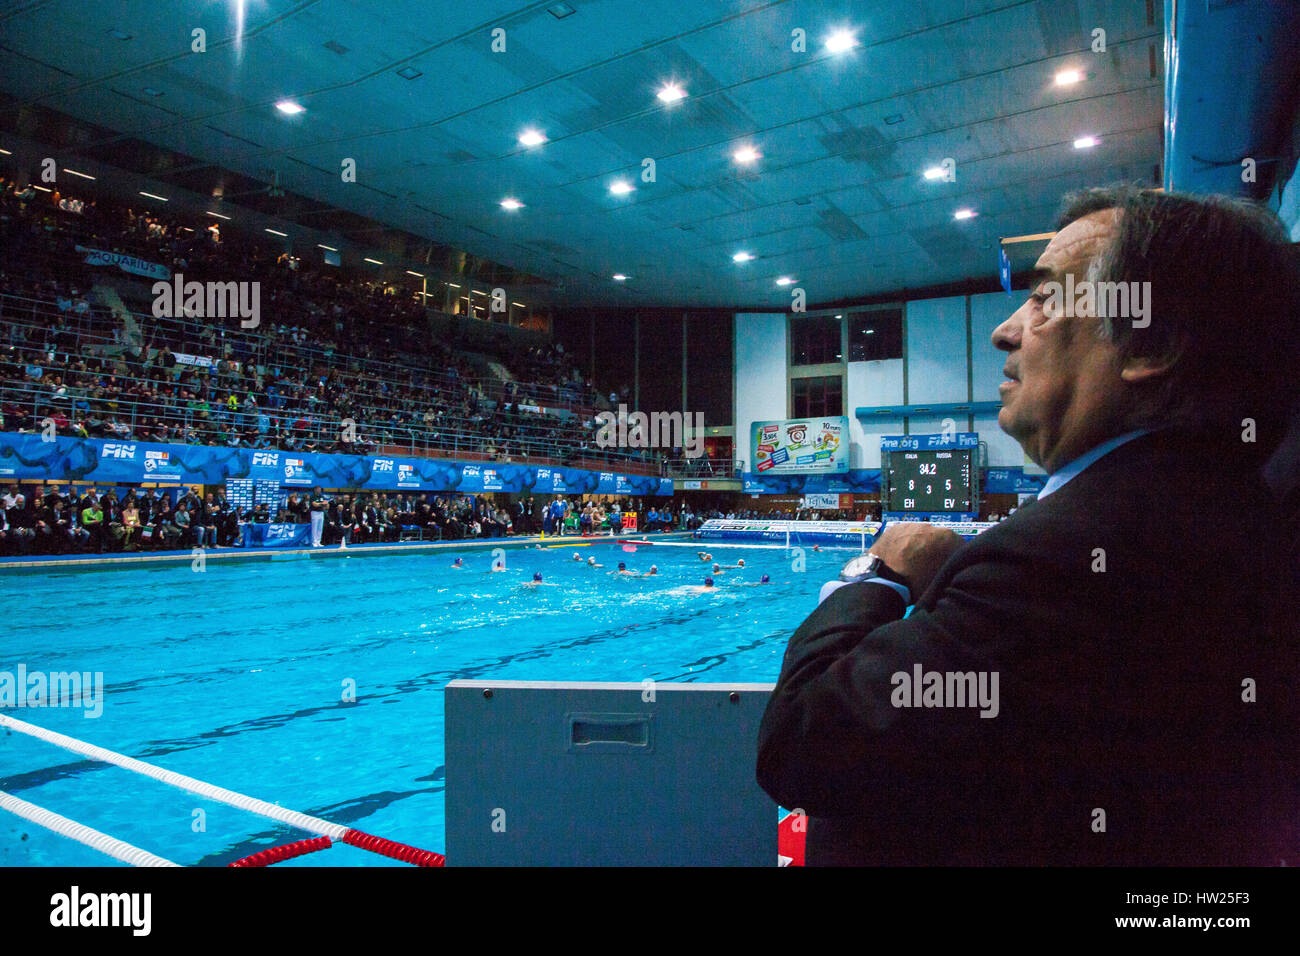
pixel 336 363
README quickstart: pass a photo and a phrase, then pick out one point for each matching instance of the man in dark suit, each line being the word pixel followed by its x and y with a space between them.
pixel 1109 676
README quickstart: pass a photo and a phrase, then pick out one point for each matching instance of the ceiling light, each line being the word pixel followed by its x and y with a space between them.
pixel 277 232
pixel 531 137
pixel 785 280
pixel 1066 77
pixel 416 274
pixel 289 107
pixel 746 154
pixel 839 41
pixel 373 261
pixel 561 10
pixel 409 73
pixel 218 215
pixel 452 285
pixel 73 172
pixel 322 246
pixel 893 119
pixel 934 172
pixel 964 214
pixel 621 187
pixel 671 93
pixel 619 277
pixel 511 204
pixel 150 91
pixel 5 152
pixel 119 35
pixel 1085 142
pixel 152 196
pixel 43 189
pixel 742 257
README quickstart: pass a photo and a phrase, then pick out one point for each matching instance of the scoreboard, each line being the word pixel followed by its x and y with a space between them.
pixel 930 481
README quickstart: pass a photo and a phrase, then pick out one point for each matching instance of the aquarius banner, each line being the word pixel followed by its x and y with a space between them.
pixel 801 446
pixel 139 267
pixel 118 462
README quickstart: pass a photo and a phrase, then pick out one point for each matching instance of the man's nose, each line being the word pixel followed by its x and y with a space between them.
pixel 1006 337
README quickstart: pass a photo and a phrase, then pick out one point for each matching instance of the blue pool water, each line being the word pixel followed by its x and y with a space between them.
pixel 236 675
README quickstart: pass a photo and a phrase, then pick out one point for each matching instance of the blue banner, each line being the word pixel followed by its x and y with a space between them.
pixel 119 462
pixel 277 535
pixel 929 442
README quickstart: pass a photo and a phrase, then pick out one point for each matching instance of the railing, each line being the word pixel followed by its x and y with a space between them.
pixel 211 341
pixel 702 467
pixel 133 418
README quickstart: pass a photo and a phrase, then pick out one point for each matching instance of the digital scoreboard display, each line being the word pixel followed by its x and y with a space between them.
pixel 930 481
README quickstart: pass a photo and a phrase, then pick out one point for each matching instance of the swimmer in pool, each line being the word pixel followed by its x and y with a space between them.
pixel 651 573
pixel 705 556
pixel 497 567
pixel 537 579
pixel 738 564
pixel 577 556
pixel 703 589
pixel 717 568
pixel 458 564
pixel 622 569
pixel 759 583
pixel 591 563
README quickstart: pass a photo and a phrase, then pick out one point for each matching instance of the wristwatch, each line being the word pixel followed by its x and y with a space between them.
pixel 864 567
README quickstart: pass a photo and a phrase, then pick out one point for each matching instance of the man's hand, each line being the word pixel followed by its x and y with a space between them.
pixel 916 550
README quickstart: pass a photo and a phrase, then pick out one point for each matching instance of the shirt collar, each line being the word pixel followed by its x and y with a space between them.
pixel 1063 475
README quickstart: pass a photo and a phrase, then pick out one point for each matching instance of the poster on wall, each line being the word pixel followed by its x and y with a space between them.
pixel 801 446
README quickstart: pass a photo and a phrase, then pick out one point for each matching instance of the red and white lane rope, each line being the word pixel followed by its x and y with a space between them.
pixel 389 848
pixel 81 833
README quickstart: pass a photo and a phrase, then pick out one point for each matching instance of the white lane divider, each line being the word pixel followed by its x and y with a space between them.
pixel 300 820
pixel 81 833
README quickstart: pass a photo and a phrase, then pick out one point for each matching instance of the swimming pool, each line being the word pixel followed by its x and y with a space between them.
pixel 238 676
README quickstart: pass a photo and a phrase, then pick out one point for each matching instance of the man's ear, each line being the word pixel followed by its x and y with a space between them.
pixel 1140 369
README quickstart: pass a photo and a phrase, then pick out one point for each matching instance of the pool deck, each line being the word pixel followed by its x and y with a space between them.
pixel 102 562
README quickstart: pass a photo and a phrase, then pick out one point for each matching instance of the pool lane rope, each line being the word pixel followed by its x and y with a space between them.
pixel 81 833
pixel 303 821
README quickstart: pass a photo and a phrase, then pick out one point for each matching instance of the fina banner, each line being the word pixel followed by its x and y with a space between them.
pixel 139 267
pixel 122 462
pixel 842 531
pixel 801 446
pixel 860 480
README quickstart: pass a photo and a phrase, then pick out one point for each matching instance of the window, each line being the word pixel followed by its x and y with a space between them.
pixel 876 334
pixel 818 397
pixel 815 341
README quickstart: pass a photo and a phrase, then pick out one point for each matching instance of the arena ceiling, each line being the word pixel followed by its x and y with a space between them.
pixel 415 93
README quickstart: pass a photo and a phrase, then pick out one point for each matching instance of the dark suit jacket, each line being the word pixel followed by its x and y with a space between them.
pixel 1120 690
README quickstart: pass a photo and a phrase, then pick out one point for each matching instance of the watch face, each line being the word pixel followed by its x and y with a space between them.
pixel 859 565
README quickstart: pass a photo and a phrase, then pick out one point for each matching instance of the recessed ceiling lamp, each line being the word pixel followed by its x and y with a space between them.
pixel 839 41
pixel 671 93
pixel 289 107
pixel 742 257
pixel 511 204
pixel 531 137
